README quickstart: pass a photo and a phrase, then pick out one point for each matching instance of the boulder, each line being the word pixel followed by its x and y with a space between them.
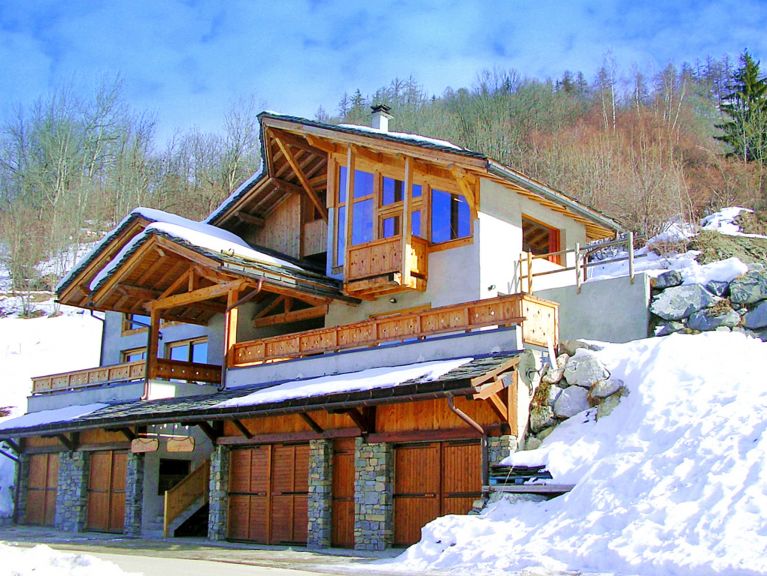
pixel 681 301
pixel 717 287
pixel 605 388
pixel 532 443
pixel 713 318
pixel 553 393
pixel 572 401
pixel 584 368
pixel 555 374
pixel 607 405
pixel 756 318
pixel 541 417
pixel 668 280
pixel 569 347
pixel 543 434
pixel 669 327
pixel 749 288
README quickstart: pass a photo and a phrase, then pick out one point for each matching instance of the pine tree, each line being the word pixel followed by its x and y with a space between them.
pixel 745 112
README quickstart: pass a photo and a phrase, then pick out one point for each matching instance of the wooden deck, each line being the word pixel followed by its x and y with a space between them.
pixel 537 317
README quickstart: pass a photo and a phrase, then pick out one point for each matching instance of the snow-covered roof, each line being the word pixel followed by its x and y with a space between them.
pixel 57 415
pixel 238 192
pixel 406 136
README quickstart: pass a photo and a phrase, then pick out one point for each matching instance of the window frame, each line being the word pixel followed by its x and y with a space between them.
pixel 554 239
pixel 127 324
pixel 188 343
pixel 124 354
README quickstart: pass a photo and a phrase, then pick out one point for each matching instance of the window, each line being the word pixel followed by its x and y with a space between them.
pixel 362 207
pixel 135 322
pixel 133 355
pixel 194 350
pixel 538 238
pixel 450 216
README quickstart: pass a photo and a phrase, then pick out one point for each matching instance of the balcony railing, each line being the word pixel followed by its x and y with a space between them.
pixel 377 265
pixel 127 372
pixel 538 318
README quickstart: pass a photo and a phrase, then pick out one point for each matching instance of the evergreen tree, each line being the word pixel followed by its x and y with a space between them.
pixel 745 112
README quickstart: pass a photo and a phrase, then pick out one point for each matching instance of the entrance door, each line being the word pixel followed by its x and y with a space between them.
pixel 268 493
pixel 432 480
pixel 106 491
pixel 41 489
pixel 343 493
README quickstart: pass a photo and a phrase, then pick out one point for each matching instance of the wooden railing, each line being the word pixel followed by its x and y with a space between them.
pixel 538 318
pixel 384 256
pixel 183 494
pixel 127 372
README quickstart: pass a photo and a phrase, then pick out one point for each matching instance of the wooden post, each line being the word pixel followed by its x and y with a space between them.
pixel 578 267
pixel 152 351
pixel 230 336
pixel 529 272
pixel 405 228
pixel 631 256
pixel 349 202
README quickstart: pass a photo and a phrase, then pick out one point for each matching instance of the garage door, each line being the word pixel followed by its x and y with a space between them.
pixel 268 494
pixel 41 489
pixel 106 491
pixel 343 493
pixel 432 480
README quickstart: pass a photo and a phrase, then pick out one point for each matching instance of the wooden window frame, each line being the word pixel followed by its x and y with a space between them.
pixel 125 353
pixel 127 330
pixel 188 342
pixel 554 239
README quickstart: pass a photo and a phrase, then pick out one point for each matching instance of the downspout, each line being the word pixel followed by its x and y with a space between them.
pixel 103 327
pixel 483 435
pixel 145 394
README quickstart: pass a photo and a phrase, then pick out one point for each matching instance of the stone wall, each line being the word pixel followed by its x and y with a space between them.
pixel 320 493
pixel 72 491
pixel 373 495
pixel 218 498
pixel 134 494
pixel 22 484
pixel 499 447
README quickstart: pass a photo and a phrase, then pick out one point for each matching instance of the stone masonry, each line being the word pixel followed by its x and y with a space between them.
pixel 134 494
pixel 72 494
pixel 320 493
pixel 373 497
pixel 218 497
pixel 499 447
pixel 22 483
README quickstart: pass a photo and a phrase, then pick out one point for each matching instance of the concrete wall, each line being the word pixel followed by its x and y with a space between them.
pixel 612 310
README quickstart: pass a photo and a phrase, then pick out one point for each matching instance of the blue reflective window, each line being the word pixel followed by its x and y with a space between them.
pixel 341 237
pixel 450 216
pixel 392 191
pixel 362 222
pixel 363 183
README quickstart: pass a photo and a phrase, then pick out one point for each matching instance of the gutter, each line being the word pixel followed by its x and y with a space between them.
pixel 483 435
pixel 500 170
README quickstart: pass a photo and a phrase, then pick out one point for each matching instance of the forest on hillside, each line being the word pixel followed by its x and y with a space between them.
pixel 642 148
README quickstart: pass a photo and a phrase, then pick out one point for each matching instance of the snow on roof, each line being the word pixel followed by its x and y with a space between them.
pixel 56 415
pixel 198 234
pixel 369 379
pixel 403 136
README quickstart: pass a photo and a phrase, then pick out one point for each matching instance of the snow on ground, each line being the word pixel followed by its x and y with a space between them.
pixel 673 482
pixel 44 561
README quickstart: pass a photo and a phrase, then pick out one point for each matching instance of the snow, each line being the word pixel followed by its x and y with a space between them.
pixel 724 220
pixel 402 136
pixel 197 234
pixel 675 231
pixel 43 560
pixel 674 481
pixel 369 379
pixel 51 416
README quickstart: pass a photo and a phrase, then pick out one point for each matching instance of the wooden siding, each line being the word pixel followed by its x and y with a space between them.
pixel 384 256
pixel 106 491
pixel 431 480
pixel 342 522
pixel 315 237
pixel 288 423
pixel 500 311
pixel 431 415
pixel 41 489
pixel 282 229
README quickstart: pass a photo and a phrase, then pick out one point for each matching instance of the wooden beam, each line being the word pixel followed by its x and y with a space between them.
pixel 323 145
pixel 405 221
pixel 15 447
pixel 176 284
pixel 127 432
pixel 287 437
pixel 362 419
pixel 69 443
pixel 242 428
pixel 302 178
pixel 294 316
pixel 257 221
pixel 208 293
pixel 310 421
pixel 499 407
pixel 137 292
pixel 466 188
pixel 209 431
pixel 489 389
pixel 464 433
pixel 269 307
pixel 232 315
pixel 286 187
pixel 249 296
pixel 153 343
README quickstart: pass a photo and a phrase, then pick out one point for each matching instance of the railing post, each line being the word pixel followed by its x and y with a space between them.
pixel 578 267
pixel 631 256
pixel 165 517
pixel 529 272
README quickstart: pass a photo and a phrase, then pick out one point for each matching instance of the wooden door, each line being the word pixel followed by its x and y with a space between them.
pixel 41 489
pixel 431 480
pixel 342 523
pixel 106 491
pixel 268 494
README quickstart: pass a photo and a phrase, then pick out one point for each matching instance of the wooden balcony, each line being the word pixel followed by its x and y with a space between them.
pixel 127 372
pixel 538 318
pixel 376 268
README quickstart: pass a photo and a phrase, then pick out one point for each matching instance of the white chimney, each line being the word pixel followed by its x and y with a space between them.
pixel 381 117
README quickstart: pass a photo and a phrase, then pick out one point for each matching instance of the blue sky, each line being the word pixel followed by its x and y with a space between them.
pixel 188 61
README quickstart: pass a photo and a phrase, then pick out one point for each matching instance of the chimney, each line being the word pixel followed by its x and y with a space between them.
pixel 381 117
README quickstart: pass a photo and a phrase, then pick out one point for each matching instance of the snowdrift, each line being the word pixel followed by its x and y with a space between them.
pixel 673 482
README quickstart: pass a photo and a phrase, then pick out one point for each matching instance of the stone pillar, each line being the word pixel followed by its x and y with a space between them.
pixel 320 493
pixel 373 495
pixel 22 484
pixel 499 447
pixel 218 496
pixel 134 494
pixel 72 492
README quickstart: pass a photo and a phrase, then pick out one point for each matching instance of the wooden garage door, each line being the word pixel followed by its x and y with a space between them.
pixel 268 494
pixel 106 491
pixel 432 480
pixel 41 489
pixel 343 493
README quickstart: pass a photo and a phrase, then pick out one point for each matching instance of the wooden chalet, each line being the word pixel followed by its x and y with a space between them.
pixel 334 357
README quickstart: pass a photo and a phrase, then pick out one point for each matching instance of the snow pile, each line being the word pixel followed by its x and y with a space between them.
pixel 369 379
pixel 724 221
pixel 674 481
pixel 42 560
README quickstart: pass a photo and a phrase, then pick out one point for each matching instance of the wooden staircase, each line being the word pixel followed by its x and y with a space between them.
pixel 179 500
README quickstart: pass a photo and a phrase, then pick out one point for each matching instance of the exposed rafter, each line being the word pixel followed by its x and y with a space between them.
pixel 302 178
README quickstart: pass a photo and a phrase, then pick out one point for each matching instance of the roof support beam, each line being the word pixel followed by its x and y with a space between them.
pixel 242 428
pixel 211 432
pixel 15 447
pixel 310 421
pixel 70 443
pixel 302 178
pixel 286 187
pixel 187 298
pixel 257 221
pixel 294 316
pixel 128 433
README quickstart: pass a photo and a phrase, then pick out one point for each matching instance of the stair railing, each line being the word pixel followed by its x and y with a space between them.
pixel 183 494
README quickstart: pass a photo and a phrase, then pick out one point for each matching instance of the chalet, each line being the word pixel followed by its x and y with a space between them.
pixel 334 357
